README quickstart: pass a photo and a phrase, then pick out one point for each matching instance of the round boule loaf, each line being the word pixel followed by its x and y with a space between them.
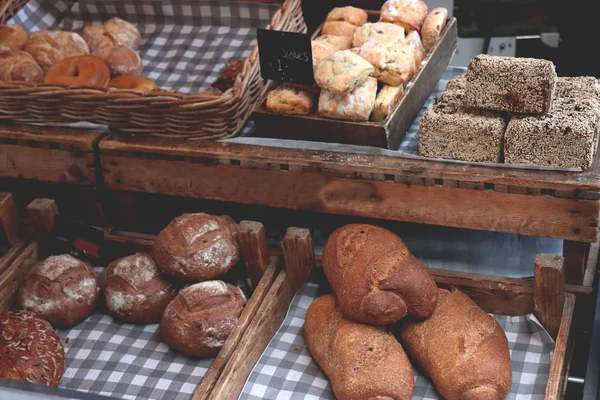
pixel 30 350
pixel 62 289
pixel 197 247
pixel 134 290
pixel 199 320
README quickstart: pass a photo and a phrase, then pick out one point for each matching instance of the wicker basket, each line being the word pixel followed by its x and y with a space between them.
pixel 199 115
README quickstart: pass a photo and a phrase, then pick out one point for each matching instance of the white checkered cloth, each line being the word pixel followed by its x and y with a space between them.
pixel 185 43
pixel 287 371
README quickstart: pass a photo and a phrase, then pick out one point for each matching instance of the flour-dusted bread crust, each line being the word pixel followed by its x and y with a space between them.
pixel 290 99
pixel 342 72
pixel 354 106
pixel 410 14
pixel 335 42
pixel 338 28
pixel 461 348
pixel 121 60
pixel 62 289
pixel 30 350
pixel 415 47
pixel 19 66
pixel 199 320
pixel 361 361
pixel 385 101
pixel 320 50
pixel 134 290
pixel 375 277
pixel 197 247
pixel 353 15
pixel 378 31
pixel 394 63
pixel 433 26
pixel 50 47
pixel 123 33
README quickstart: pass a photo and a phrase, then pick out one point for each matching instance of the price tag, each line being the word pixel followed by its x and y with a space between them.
pixel 76 238
pixel 285 56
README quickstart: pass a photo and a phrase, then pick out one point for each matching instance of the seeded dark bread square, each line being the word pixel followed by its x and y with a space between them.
pixel 578 87
pixel 450 131
pixel 566 137
pixel 515 85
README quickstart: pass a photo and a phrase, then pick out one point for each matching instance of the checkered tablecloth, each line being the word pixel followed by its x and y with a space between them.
pixel 287 371
pixel 185 43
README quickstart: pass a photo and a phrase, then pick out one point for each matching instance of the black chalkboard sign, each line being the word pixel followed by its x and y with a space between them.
pixel 285 56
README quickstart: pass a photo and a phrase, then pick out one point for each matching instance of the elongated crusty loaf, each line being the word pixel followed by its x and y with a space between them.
pixel 462 349
pixel 362 362
pixel 376 279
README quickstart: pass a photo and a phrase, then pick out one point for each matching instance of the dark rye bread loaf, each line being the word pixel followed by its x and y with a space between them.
pixel 30 350
pixel 461 348
pixel 361 361
pixel 134 290
pixel 199 320
pixel 61 289
pixel 197 247
pixel 376 279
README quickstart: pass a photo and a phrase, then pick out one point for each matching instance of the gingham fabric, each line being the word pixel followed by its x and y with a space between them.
pixel 185 43
pixel 287 371
pixel 106 357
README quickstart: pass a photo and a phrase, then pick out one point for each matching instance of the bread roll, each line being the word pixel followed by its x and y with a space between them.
pixel 121 60
pixel 409 14
pixel 376 279
pixel 123 33
pixel 134 290
pixel 61 289
pixel 199 320
pixel 291 99
pixel 342 72
pixel 361 361
pixel 386 100
pixel 462 349
pixel 19 66
pixel 30 350
pixel 433 25
pixel 197 247
pixel 12 37
pixel 50 47
pixel 96 38
pixel 354 106
pixel 81 71
pixel 137 83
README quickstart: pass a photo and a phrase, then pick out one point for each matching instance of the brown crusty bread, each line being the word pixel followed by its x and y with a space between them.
pixel 461 348
pixel 376 279
pixel 362 361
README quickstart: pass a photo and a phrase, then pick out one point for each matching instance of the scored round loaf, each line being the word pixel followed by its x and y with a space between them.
pixel 30 350
pixel 375 277
pixel 62 289
pixel 197 247
pixel 50 47
pixel 199 320
pixel 121 60
pixel 134 290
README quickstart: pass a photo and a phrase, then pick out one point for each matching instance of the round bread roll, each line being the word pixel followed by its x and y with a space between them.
pixel 197 247
pixel 123 33
pixel 96 38
pixel 88 71
pixel 121 60
pixel 30 350
pixel 19 66
pixel 134 290
pixel 12 37
pixel 138 83
pixel 199 320
pixel 62 289
pixel 50 47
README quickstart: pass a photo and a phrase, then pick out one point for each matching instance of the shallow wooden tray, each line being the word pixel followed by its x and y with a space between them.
pixel 388 134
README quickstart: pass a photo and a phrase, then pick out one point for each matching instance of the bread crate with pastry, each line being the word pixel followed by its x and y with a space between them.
pixel 173 336
pixel 379 44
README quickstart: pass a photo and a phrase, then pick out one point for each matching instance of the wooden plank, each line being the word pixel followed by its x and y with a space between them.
pixel 257 337
pixel 591 265
pixel 9 218
pixel 42 213
pixel 238 335
pixel 557 379
pixel 548 291
pixel 80 139
pixel 299 257
pixel 13 275
pixel 53 165
pixel 253 244
pixel 574 254
pixel 473 209
pixel 7 259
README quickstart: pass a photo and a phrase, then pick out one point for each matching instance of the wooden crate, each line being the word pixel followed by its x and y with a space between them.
pixel 388 134
pixel 494 294
pixel 260 266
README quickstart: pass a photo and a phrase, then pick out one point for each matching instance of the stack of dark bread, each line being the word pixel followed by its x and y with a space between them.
pixel 193 251
pixel 378 282
pixel 361 68
pixel 514 110
pixel 104 56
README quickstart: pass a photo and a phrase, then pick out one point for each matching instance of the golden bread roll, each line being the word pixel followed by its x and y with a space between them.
pixel 138 83
pixel 432 27
pixel 19 66
pixel 50 47
pixel 409 14
pixel 121 60
pixel 12 37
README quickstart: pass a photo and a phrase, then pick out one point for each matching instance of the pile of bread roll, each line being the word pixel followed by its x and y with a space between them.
pixel 61 291
pixel 361 68
pixel 378 282
pixel 103 57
